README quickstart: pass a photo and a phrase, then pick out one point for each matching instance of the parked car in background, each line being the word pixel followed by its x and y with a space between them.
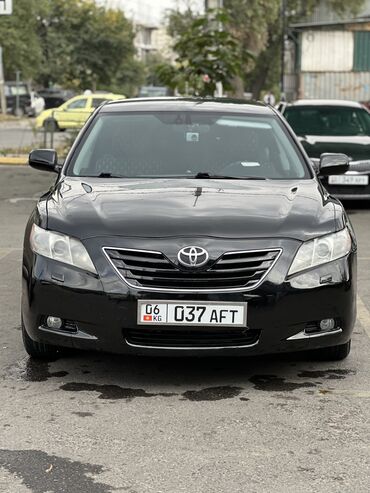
pixel 153 92
pixel 335 126
pixel 55 97
pixel 75 112
pixel 20 89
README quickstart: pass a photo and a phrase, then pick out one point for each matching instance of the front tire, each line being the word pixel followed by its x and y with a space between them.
pixel 38 350
pixel 334 353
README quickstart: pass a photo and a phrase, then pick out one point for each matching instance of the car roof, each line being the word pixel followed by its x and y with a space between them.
pixel 326 102
pixel 189 104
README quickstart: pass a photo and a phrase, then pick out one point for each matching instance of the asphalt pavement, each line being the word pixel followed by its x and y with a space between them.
pixel 98 423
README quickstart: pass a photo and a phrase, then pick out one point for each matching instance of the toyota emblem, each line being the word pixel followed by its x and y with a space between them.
pixel 193 256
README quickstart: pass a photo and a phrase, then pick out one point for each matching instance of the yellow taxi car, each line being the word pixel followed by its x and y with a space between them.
pixel 74 112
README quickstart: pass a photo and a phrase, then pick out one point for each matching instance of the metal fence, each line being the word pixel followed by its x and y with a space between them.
pixel 19 136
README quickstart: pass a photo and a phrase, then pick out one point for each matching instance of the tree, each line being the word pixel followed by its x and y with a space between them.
pixel 85 45
pixel 73 43
pixel 249 21
pixel 206 54
pixel 19 40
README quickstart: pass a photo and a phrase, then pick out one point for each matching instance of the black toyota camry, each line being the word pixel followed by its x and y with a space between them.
pixel 188 226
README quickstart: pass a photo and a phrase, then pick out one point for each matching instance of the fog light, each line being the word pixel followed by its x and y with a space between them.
pixel 327 324
pixel 54 322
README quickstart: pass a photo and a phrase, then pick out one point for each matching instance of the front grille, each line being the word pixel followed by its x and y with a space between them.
pixel 195 338
pixel 230 271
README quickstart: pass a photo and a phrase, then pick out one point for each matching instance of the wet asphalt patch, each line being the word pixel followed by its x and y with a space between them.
pixel 44 473
pixel 212 393
pixel 111 391
pixel 273 383
pixel 115 392
pixel 38 371
pixel 330 374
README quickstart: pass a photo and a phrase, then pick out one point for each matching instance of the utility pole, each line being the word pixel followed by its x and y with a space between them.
pixel 216 4
pixel 6 8
pixel 219 87
pixel 283 36
pixel 2 85
pixel 17 81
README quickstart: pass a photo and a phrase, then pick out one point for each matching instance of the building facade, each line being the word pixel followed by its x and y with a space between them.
pixel 147 17
pixel 329 57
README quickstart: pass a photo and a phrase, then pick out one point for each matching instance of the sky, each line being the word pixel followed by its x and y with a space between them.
pixel 149 11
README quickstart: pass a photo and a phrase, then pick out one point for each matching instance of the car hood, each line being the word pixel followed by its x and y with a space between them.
pixel 356 147
pixel 91 207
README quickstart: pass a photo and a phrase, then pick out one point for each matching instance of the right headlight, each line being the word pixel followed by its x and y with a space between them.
pixel 321 250
pixel 63 248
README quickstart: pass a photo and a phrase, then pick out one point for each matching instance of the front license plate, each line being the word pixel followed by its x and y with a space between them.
pixel 348 180
pixel 190 313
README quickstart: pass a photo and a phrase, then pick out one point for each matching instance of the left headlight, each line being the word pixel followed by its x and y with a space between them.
pixel 321 250
pixel 60 247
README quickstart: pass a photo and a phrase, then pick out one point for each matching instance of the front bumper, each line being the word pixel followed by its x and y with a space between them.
pixel 104 308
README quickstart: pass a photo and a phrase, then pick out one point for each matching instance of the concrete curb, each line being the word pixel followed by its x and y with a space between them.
pixel 13 161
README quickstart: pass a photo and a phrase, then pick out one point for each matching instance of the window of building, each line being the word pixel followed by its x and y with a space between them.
pixel 361 55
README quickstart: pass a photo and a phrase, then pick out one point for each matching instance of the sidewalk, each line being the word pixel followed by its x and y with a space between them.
pixel 13 160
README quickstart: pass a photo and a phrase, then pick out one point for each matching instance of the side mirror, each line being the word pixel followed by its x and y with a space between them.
pixel 333 164
pixel 44 160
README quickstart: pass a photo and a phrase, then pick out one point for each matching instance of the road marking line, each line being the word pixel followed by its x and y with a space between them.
pixel 4 252
pixel 21 199
pixel 363 315
pixel 7 251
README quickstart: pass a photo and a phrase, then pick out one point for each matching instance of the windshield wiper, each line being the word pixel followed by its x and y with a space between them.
pixel 108 175
pixel 204 175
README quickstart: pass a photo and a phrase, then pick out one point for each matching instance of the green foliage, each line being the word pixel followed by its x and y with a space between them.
pixel 73 43
pixel 168 75
pixel 207 53
pixel 153 65
pixel 19 40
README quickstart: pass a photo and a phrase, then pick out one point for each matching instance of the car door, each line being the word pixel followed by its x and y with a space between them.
pixel 74 113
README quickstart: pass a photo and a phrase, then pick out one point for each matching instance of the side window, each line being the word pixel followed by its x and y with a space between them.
pixel 96 102
pixel 79 104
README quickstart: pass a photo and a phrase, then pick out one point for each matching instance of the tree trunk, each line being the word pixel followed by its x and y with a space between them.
pixel 268 60
pixel 238 88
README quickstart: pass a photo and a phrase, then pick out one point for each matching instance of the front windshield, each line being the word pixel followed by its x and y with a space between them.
pixel 187 144
pixel 328 120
